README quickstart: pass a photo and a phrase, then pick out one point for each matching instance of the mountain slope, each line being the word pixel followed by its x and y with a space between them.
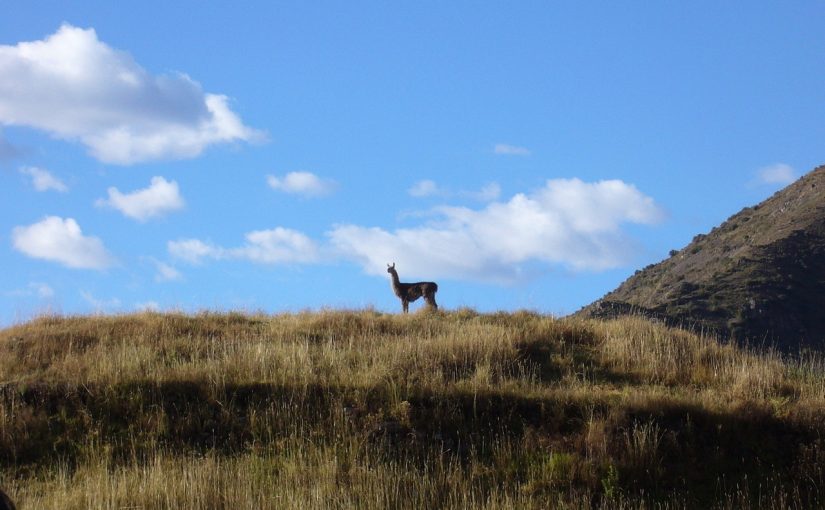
pixel 758 277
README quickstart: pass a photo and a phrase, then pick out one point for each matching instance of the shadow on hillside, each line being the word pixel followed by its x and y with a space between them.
pixel 693 447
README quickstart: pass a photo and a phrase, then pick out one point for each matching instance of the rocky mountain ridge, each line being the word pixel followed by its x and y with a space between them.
pixel 759 277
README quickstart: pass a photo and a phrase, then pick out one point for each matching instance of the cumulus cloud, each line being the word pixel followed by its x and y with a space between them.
pixel 566 222
pixel 276 246
pixel 61 240
pixel 42 180
pixel 76 87
pixel 159 198
pixel 301 183
pixel 779 173
pixel 510 150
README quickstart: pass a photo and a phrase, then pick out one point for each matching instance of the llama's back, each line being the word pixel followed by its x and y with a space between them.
pixel 427 287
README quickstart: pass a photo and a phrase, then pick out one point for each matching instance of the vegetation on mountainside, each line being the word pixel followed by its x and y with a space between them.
pixel 359 409
pixel 758 277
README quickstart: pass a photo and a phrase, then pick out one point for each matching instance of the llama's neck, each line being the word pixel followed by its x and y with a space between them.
pixel 396 283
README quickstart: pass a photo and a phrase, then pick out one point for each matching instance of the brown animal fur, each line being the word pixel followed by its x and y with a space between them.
pixel 408 292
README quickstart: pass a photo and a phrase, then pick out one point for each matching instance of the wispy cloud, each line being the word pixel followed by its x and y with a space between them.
pixel 566 222
pixel 159 198
pixel 36 289
pixel 43 180
pixel 487 193
pixel 100 305
pixel 7 150
pixel 41 290
pixel 779 173
pixel 428 188
pixel 147 306
pixel 166 272
pixel 301 183
pixel 425 188
pixel 76 87
pixel 510 150
pixel 61 240
pixel 193 250
pixel 275 246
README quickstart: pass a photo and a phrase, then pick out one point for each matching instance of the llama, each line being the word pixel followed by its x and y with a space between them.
pixel 407 292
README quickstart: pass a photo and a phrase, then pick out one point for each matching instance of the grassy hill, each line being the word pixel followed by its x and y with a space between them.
pixel 758 277
pixel 359 409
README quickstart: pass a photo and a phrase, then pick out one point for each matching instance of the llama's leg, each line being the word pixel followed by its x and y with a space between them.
pixel 431 301
pixel 406 305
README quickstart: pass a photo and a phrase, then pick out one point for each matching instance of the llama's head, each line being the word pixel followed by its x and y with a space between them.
pixel 391 268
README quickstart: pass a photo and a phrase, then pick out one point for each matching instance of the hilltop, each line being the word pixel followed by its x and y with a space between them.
pixel 359 409
pixel 759 277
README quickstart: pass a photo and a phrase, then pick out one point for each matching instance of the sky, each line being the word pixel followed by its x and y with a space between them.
pixel 276 156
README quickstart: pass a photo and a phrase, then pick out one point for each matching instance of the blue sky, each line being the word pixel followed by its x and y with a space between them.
pixel 275 156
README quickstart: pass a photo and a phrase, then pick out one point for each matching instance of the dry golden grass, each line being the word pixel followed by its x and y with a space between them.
pixel 359 409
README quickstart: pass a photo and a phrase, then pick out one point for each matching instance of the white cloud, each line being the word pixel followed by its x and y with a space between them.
pixel 428 188
pixel 159 198
pixel 425 188
pixel 510 150
pixel 42 180
pixel 487 193
pixel 566 222
pixel 276 246
pixel 76 87
pixel 193 250
pixel 148 306
pixel 99 305
pixel 41 290
pixel 166 273
pixel 779 173
pixel 38 289
pixel 61 240
pixel 301 183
